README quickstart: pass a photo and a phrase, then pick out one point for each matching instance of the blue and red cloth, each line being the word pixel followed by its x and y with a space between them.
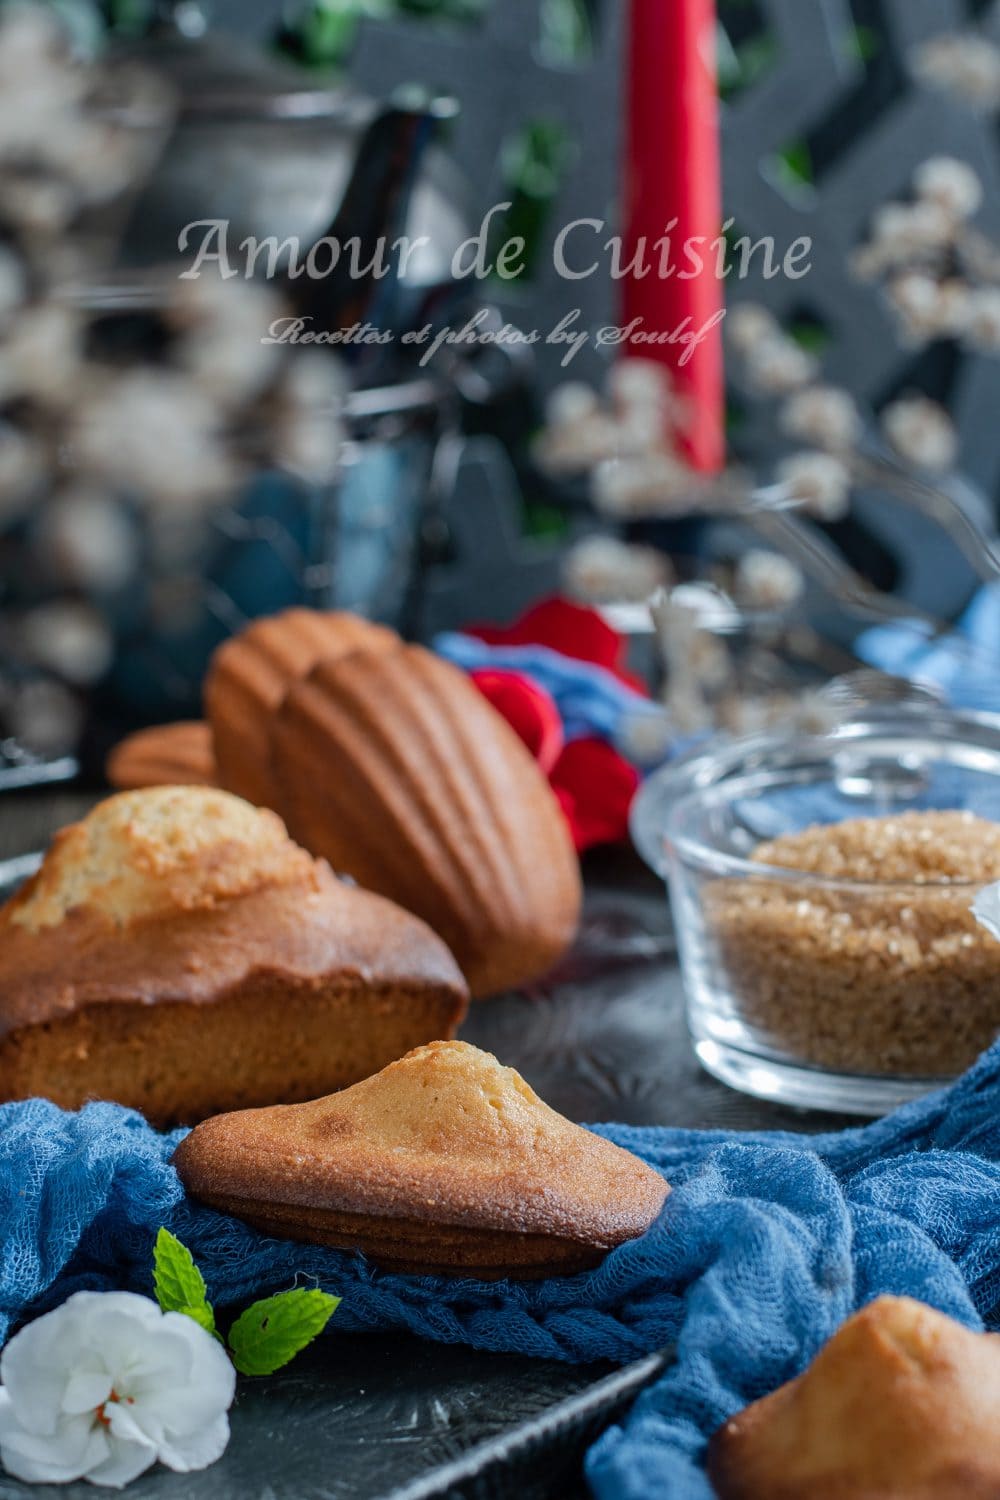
pixel 558 676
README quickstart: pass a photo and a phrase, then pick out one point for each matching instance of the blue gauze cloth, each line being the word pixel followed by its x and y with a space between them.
pixel 964 665
pixel 591 700
pixel 767 1243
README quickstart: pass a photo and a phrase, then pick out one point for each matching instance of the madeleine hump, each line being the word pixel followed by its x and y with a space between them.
pixel 444 1163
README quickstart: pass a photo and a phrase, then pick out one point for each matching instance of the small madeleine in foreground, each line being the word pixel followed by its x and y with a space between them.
pixel 903 1403
pixel 445 1162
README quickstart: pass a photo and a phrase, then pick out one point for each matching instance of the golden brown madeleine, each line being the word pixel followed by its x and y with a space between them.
pixel 444 1162
pixel 167 755
pixel 903 1403
pixel 397 770
pixel 249 675
pixel 178 953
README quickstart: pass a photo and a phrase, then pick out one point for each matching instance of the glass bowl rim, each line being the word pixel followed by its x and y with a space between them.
pixel 650 821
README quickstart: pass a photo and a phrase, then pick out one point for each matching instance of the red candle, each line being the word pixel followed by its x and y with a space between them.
pixel 673 172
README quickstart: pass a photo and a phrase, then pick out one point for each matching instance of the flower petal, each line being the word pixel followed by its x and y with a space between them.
pixel 529 710
pixel 55 1458
pixel 125 1462
pixel 86 1390
pixel 196 1450
pixel 37 1363
pixel 595 787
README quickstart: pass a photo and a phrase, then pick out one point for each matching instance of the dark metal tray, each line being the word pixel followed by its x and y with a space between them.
pixel 391 1418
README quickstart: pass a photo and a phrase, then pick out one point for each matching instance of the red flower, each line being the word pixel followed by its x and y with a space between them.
pixel 593 783
pixel 573 630
pixel 529 710
pixel 595 786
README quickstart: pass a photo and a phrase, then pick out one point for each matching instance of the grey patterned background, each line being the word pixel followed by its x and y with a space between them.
pixel 823 83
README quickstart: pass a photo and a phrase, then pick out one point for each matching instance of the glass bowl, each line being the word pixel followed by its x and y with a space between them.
pixel 843 994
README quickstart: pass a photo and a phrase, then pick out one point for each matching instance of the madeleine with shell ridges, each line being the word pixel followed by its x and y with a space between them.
pixel 178 953
pixel 166 755
pixel 444 1162
pixel 901 1404
pixel 249 675
pixel 396 769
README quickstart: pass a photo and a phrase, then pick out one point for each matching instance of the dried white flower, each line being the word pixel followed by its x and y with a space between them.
pixel 22 469
pixel 222 325
pixel 105 1386
pixel 776 366
pixel 309 436
pixel 966 66
pixel 577 447
pixel 905 232
pixel 645 739
pixel 153 434
pixel 982 321
pixel 930 308
pixel 571 402
pixel 749 324
pixel 13 284
pixel 87 541
pixel 921 432
pixel 47 719
pixel 656 485
pixel 951 184
pixel 69 639
pixel 824 415
pixel 41 356
pixel 604 570
pixel 819 481
pixel 767 580
pixel 640 383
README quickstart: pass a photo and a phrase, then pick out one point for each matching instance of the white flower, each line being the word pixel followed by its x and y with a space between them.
pixel 107 1384
pixel 820 482
pixel 950 183
pixel 930 308
pixel 69 638
pixel 86 540
pixel 921 432
pixel 571 402
pixel 966 66
pixel 766 580
pixel 22 469
pixel 748 324
pixel 982 323
pixel 824 415
pixel 42 355
pixel 655 485
pixel 46 717
pixel 222 325
pixel 604 570
pixel 645 739
pixel 153 433
pixel 904 231
pixel 640 383
pixel 778 365
pixel 986 909
pixel 309 425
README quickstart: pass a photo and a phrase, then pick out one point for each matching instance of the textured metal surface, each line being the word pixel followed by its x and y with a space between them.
pixel 362 1417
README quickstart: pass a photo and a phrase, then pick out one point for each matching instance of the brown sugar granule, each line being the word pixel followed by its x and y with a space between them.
pixel 892 978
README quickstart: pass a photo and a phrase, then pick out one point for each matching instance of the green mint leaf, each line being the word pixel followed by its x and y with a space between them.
pixel 274 1330
pixel 179 1285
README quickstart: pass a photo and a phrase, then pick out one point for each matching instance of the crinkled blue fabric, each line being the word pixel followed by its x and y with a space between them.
pixel 591 700
pixel 765 1245
pixel 965 665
